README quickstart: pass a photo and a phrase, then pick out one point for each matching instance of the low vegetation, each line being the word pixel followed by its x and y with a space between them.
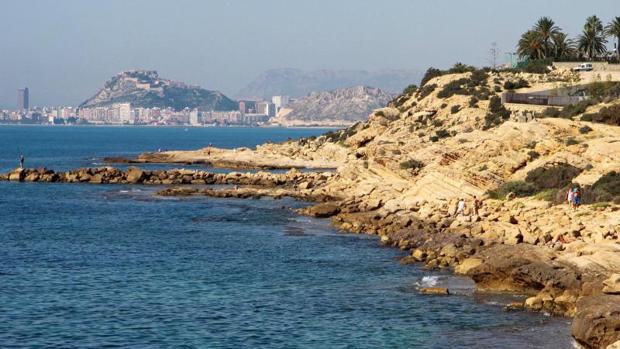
pixel 411 164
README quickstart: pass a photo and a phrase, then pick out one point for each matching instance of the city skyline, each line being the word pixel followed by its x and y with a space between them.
pixel 223 46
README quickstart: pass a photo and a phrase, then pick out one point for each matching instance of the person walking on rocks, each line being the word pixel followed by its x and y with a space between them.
pixel 569 197
pixel 576 198
pixel 460 207
pixel 477 205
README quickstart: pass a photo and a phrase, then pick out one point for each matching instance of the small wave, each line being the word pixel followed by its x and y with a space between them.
pixel 429 281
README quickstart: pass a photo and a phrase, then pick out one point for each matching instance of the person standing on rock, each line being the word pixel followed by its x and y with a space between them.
pixel 21 161
pixel 477 205
pixel 576 197
pixel 460 207
pixel 569 197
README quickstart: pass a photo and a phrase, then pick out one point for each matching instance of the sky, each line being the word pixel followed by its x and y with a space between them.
pixel 65 50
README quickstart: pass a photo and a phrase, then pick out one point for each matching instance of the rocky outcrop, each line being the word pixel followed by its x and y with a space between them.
pixel 333 108
pixel 144 88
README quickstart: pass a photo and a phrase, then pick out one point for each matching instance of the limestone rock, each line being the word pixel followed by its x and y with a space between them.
pixel 435 291
pixel 612 284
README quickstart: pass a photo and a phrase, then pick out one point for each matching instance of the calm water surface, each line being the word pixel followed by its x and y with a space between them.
pixel 90 266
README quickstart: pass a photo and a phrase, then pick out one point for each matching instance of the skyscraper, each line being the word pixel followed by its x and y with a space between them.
pixel 23 99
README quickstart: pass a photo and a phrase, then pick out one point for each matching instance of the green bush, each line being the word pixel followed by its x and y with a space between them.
pixel 430 74
pixel 455 109
pixel 411 164
pixel 497 115
pixel 513 85
pixel 571 141
pixel 606 188
pixel 533 155
pixel 575 109
pixel 551 112
pixel 542 179
pixel 411 89
pixel 442 134
pixel 426 90
pixel 607 115
pixel 585 129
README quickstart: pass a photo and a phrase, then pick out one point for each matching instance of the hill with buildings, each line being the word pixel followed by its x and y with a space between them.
pixel 333 108
pixel 297 82
pixel 145 89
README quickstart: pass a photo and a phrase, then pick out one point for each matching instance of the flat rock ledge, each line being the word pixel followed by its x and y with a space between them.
pixel 134 175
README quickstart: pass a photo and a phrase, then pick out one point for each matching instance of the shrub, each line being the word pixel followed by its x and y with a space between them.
pixel 453 87
pixel 434 139
pixel 455 109
pixel 551 113
pixel 547 195
pixel 426 90
pixel 607 115
pixel 442 134
pixel 430 74
pixel 461 68
pixel 473 102
pixel 541 179
pixel 585 129
pixel 557 176
pixel 513 85
pixel 571 141
pixel 606 188
pixel 411 164
pixel 533 154
pixel 520 188
pixel 443 105
pixel 497 89
pixel 575 109
pixel 411 89
pixel 497 113
pixel 380 113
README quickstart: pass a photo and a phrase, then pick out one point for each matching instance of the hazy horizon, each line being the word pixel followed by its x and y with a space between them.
pixel 64 51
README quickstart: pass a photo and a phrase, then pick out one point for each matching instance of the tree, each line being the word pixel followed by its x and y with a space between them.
pixel 613 30
pixel 530 45
pixel 545 28
pixel 592 40
pixel 563 46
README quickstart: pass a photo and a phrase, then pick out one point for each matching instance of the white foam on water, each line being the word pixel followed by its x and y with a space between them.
pixel 429 281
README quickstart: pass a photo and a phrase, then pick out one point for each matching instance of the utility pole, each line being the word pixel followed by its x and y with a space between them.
pixel 493 55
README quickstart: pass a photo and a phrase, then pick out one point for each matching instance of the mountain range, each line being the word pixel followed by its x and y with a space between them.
pixel 297 82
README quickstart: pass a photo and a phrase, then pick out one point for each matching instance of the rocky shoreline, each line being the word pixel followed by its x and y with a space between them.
pixel 429 232
pixel 400 174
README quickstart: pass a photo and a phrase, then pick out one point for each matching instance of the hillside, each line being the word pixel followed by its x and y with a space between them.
pixel 144 88
pixel 298 83
pixel 333 108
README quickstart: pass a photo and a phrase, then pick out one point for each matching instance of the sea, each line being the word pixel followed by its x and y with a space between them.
pixel 115 266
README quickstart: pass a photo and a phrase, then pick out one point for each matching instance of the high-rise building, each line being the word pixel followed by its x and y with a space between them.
pixel 280 101
pixel 23 99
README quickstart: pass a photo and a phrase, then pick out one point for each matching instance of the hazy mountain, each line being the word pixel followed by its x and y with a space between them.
pixel 297 82
pixel 144 88
pixel 333 108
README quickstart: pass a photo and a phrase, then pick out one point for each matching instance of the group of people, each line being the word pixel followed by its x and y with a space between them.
pixel 573 197
pixel 460 206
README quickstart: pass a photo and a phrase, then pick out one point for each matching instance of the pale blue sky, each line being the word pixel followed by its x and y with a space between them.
pixel 64 50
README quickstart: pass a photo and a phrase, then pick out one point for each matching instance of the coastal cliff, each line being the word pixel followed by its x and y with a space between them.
pixel 401 173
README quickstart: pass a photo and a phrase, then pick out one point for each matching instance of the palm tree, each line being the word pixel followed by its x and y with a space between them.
pixel 592 40
pixel 563 46
pixel 613 30
pixel 530 45
pixel 545 28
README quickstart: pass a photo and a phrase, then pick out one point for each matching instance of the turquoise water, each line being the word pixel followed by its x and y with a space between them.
pixel 88 266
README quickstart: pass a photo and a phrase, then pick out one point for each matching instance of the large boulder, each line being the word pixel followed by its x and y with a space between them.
pixel 597 321
pixel 612 284
pixel 17 175
pixel 135 175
